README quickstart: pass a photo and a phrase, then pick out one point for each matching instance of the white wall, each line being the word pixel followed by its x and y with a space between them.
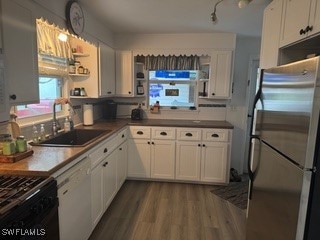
pixel 246 48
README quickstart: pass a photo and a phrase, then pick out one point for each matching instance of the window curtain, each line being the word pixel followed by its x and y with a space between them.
pixel 171 62
pixel 53 53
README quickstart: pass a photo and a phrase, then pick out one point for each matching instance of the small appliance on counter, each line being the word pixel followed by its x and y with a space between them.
pixel 137 113
pixel 110 110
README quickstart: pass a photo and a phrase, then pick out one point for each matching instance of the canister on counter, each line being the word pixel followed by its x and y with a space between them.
pixel 9 147
pixel 21 143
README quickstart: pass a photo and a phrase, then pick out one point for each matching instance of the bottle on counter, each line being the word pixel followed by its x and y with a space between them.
pixel 71 119
pixel 42 132
pixel 67 127
pixel 35 134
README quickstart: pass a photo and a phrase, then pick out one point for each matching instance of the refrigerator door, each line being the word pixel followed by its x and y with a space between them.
pixel 284 115
pixel 275 196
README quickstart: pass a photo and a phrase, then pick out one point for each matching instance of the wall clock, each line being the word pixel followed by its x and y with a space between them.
pixel 75 17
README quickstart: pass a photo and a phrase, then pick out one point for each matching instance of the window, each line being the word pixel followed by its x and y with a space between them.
pixel 172 88
pixel 50 88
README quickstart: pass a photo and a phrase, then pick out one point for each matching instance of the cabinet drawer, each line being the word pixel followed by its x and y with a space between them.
pixel 122 135
pixel 217 135
pixel 140 132
pixel 103 150
pixel 189 134
pixel 163 133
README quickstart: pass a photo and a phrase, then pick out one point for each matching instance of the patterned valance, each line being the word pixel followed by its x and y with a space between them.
pixel 171 62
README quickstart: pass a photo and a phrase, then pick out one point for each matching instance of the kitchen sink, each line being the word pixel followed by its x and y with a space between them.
pixel 74 138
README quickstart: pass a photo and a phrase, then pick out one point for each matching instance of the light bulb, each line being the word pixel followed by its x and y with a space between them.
pixel 214 18
pixel 243 3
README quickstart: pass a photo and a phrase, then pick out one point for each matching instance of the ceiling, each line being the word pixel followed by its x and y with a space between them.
pixel 178 16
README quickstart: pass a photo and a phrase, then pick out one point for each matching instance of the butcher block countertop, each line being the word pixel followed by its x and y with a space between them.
pixel 45 161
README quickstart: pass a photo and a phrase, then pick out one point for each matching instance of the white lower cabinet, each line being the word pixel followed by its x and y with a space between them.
pixel 162 159
pixel 139 158
pixel 122 164
pixel 151 152
pixel 214 162
pixel 188 161
pixel 103 186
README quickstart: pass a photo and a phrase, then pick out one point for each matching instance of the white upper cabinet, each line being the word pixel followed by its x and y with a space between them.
pixel 107 70
pixel 220 74
pixel 20 53
pixel 100 61
pixel 124 73
pixel 271 34
pixel 300 20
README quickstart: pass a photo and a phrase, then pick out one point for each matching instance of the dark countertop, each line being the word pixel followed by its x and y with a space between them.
pixel 47 160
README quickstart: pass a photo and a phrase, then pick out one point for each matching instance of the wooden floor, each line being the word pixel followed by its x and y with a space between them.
pixel 159 211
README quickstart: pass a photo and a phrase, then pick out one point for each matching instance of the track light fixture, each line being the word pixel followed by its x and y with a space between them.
pixel 241 4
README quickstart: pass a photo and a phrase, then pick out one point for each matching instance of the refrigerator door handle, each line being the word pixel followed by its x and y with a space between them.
pixel 251 172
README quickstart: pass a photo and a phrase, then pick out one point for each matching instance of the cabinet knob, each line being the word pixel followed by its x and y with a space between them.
pixel 13 97
pixel 215 135
pixel 120 149
pixel 109 92
pixel 122 136
pixel 148 142
pixel 105 150
pixel 203 145
pixel 189 134
pixel 105 164
pixel 129 92
pixel 140 133
pixel 152 143
pixel 199 145
pixel 309 29
pixel 302 31
pixel 213 94
pixel 163 134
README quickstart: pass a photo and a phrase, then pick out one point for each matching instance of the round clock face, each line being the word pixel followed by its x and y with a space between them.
pixel 75 17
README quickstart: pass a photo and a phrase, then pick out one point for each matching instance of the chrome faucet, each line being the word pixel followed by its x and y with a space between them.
pixel 55 124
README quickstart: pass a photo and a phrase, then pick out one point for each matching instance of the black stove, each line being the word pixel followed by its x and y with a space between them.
pixel 28 207
pixel 16 189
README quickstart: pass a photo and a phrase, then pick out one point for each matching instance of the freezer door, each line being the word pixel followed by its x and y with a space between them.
pixel 275 196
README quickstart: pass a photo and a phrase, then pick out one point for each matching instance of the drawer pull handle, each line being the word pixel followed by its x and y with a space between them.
pixel 105 150
pixel 189 134
pixel 105 164
pixel 140 133
pixel 215 135
pixel 163 134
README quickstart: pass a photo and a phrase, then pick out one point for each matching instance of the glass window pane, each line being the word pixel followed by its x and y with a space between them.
pixel 50 88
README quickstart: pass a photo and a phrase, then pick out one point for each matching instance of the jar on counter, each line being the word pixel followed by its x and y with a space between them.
pixel 9 147
pixel 3 138
pixel 21 143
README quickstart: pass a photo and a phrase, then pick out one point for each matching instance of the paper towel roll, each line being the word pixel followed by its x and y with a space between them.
pixel 87 114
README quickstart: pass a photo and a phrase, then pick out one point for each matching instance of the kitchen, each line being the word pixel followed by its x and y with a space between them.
pixel 230 108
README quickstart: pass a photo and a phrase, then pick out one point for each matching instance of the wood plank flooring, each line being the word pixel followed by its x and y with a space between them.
pixel 170 211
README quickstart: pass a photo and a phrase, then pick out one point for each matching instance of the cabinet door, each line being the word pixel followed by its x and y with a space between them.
pixel 124 73
pixel 188 160
pixel 162 159
pixel 107 70
pixel 20 53
pixel 314 19
pixel 214 162
pixel 122 164
pixel 271 34
pixel 110 177
pixel 295 19
pixel 220 74
pixel 139 158
pixel 97 205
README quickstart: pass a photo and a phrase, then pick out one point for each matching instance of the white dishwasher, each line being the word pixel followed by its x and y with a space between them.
pixel 74 193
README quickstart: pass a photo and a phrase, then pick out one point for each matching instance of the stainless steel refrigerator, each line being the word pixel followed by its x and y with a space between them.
pixel 284 194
